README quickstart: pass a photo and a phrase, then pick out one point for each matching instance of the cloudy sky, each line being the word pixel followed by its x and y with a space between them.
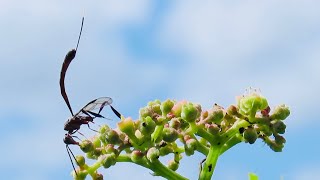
pixel 136 51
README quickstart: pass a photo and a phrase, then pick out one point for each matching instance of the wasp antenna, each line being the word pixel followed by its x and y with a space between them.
pixel 68 149
pixel 80 33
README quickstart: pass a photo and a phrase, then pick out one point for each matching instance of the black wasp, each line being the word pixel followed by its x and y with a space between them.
pixel 87 113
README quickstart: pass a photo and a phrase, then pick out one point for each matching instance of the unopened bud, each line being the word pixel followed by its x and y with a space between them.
pixel 169 134
pixel 137 156
pixel 86 146
pixel 153 154
pixel 127 126
pixel 279 127
pixel 108 160
pixel 176 109
pixel 80 160
pixel 113 137
pixel 189 112
pixel 166 107
pixel 281 112
pixel 173 165
pixel 250 135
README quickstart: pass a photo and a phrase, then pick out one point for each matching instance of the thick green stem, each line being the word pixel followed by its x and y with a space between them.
pixel 210 163
pixel 161 170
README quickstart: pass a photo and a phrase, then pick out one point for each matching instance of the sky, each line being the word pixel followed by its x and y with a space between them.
pixel 137 51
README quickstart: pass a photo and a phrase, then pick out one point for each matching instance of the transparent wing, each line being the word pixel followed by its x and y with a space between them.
pixel 96 105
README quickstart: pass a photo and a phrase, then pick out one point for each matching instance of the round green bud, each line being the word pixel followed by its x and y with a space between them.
pixel 279 127
pixel 190 147
pixel 108 160
pixel 86 146
pixel 189 112
pixel 154 103
pixel 213 129
pixel 176 109
pixel 169 134
pixel 250 104
pixel 153 154
pixel 113 137
pixel 215 115
pixel 110 149
pixel 127 126
pixel 165 150
pixel 166 106
pixel 144 112
pixel 232 110
pixel 97 152
pixel 279 139
pixel 281 112
pixel 96 142
pixel 147 126
pixel 80 160
pixel 276 147
pixel 175 123
pixel 173 165
pixel 250 135
pixel 97 177
pixel 136 156
pixel 104 128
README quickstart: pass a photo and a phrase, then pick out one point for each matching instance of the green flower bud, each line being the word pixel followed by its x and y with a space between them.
pixel 86 146
pixel 169 134
pixel 281 112
pixel 279 139
pixel 104 128
pixel 113 137
pixel 154 103
pixel 175 123
pixel 190 147
pixel 96 142
pixel 136 156
pixel 165 150
pixel 110 149
pixel 189 112
pixel 166 107
pixel 153 154
pixel 279 127
pixel 108 160
pixel 80 160
pixel 215 115
pixel 127 126
pixel 97 152
pixel 232 110
pixel 147 126
pixel 213 129
pixel 176 109
pixel 250 104
pixel 173 165
pixel 91 155
pixel 250 135
pixel 273 145
pixel 144 112
pixel 97 177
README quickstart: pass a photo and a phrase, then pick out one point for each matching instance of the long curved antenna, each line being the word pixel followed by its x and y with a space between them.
pixel 68 149
pixel 67 60
pixel 80 33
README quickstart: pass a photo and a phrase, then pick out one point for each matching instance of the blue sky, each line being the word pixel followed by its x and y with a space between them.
pixel 136 51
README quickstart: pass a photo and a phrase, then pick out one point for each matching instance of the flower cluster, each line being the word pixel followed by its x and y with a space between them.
pixel 182 128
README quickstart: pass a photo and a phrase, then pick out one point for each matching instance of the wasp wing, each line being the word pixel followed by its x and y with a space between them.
pixel 96 105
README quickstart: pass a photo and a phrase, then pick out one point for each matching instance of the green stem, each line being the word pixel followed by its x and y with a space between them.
pixel 165 172
pixel 210 163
